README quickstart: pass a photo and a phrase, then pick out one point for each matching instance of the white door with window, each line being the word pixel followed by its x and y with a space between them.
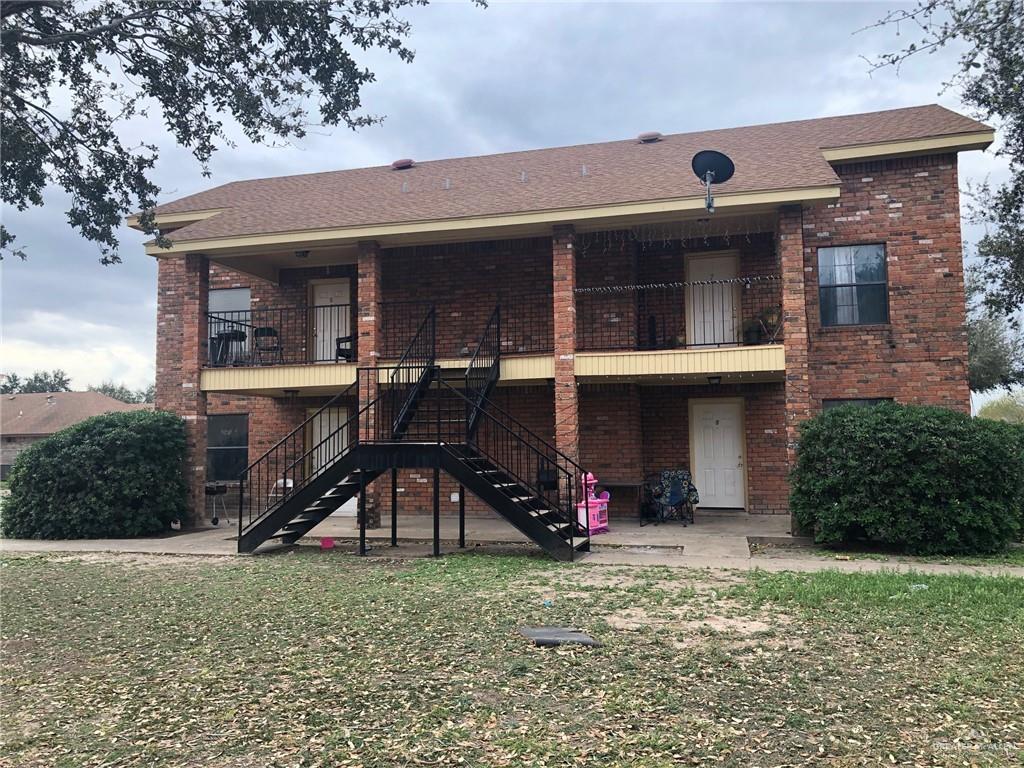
pixel 712 308
pixel 331 320
pixel 328 436
pixel 716 442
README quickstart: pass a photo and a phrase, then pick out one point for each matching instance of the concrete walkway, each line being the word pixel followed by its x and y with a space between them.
pixel 717 542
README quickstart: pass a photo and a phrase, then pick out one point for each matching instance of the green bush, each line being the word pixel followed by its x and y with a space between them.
pixel 119 474
pixel 920 479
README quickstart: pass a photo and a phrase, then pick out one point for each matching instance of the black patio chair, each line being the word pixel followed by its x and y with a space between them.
pixel 267 347
pixel 345 348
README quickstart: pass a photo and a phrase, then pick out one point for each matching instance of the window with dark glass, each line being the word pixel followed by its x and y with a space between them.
pixel 229 325
pixel 852 285
pixel 227 447
pixel 860 401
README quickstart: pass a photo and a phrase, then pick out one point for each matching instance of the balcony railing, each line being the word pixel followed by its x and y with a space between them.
pixel 526 324
pixel 705 314
pixel 282 336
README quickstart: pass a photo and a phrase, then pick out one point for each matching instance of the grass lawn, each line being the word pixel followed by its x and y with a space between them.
pixel 1013 555
pixel 324 659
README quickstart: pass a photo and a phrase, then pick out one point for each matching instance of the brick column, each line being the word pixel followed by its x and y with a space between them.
pixel 181 351
pixel 368 326
pixel 563 257
pixel 790 247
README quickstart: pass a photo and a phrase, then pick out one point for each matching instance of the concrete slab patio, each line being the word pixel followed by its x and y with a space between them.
pixel 718 542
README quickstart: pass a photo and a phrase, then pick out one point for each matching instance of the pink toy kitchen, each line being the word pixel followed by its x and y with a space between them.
pixel 594 506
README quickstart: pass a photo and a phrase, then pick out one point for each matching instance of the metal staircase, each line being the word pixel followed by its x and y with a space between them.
pixel 412 415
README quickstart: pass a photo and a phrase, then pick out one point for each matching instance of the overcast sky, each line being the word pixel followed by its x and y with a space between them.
pixel 512 76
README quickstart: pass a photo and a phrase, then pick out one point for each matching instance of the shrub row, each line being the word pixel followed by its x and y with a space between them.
pixel 119 474
pixel 920 479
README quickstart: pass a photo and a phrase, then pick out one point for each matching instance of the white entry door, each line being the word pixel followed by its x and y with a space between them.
pixel 331 318
pixel 712 309
pixel 716 438
pixel 328 435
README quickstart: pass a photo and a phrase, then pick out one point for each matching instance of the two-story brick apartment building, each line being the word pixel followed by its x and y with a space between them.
pixel 547 312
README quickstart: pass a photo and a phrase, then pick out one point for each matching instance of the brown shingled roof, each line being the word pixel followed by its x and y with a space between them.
pixel 778 156
pixel 48 412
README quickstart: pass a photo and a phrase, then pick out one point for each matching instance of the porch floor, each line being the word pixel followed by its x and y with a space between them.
pixel 713 533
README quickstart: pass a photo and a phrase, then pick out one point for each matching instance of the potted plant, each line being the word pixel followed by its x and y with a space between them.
pixel 751 332
pixel 771 323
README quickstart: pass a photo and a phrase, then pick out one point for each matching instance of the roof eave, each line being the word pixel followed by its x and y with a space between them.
pixel 960 142
pixel 167 222
pixel 499 225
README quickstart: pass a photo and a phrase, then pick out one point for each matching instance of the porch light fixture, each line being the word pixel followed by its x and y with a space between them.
pixel 302 254
pixel 291 394
pixel 714 381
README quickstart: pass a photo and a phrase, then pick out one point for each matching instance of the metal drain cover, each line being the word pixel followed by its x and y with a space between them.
pixel 554 636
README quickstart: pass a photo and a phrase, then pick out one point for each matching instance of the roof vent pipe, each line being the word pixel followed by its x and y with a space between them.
pixel 401 165
pixel 649 137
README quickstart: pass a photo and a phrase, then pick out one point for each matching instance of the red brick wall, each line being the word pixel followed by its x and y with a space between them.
pixel 666 436
pixel 181 350
pixel 563 257
pixel 465 281
pixel 920 356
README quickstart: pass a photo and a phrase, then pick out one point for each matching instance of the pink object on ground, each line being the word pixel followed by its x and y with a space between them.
pixel 326 543
pixel 594 506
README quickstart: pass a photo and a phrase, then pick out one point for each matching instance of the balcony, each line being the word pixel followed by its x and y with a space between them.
pixel 708 315
pixel 527 325
pixel 680 332
pixel 720 329
pixel 282 336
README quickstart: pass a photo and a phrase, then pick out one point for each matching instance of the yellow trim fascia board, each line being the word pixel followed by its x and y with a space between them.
pixel 175 219
pixel 513 368
pixel 960 143
pixel 277 378
pixel 769 358
pixel 484 224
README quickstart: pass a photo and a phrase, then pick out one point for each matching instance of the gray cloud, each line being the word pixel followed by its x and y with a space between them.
pixel 513 76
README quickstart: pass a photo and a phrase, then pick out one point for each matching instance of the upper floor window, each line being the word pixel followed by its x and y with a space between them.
pixel 230 300
pixel 852 285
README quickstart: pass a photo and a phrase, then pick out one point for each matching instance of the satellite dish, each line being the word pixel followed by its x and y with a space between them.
pixel 712 167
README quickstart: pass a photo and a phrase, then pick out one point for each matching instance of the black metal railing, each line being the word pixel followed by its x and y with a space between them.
pixel 296 460
pixel 527 324
pixel 396 389
pixel 701 314
pixel 484 368
pixel 281 336
pixel 532 462
pixel 399 322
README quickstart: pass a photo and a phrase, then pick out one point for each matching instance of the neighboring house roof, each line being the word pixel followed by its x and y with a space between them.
pixel 779 156
pixel 48 412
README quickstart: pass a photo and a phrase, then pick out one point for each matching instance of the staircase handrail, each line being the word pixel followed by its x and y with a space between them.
pixel 288 492
pixel 493 320
pixel 329 404
pixel 574 478
pixel 492 406
pixel 428 318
